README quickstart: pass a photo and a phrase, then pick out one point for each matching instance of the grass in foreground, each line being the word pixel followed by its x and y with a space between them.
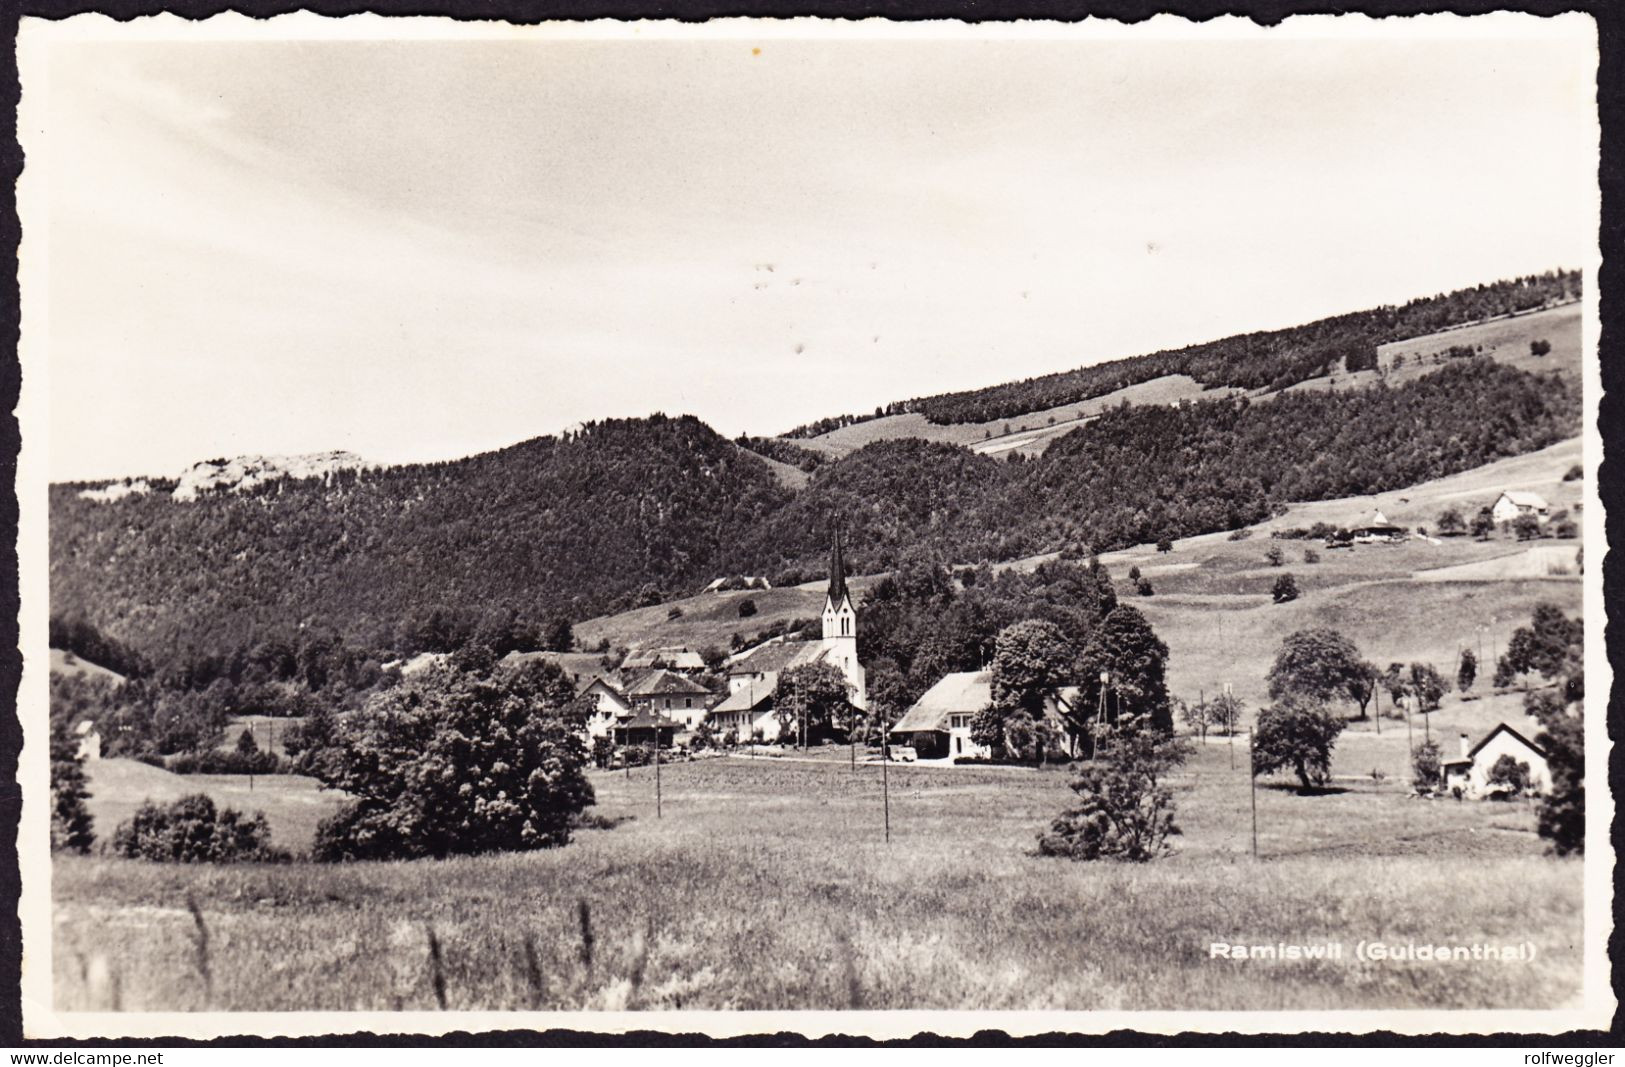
pixel 769 886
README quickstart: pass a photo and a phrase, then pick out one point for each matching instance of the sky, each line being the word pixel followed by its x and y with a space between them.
pixel 425 249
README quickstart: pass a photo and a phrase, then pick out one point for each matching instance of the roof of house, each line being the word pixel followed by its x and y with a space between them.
pixel 1504 728
pixel 679 659
pixel 665 683
pixel 1525 499
pixel 956 694
pixel 574 664
pixel 779 656
pixel 750 696
pixel 602 682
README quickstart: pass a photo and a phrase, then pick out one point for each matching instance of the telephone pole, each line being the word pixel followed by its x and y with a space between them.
pixel 1252 769
pixel 885 779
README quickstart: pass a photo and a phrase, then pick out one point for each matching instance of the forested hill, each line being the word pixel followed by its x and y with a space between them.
pixel 1141 473
pixel 1272 359
pixel 555 526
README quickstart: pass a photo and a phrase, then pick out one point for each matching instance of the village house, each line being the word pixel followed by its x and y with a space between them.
pixel 1512 503
pixel 1378 530
pixel 681 699
pixel 1470 771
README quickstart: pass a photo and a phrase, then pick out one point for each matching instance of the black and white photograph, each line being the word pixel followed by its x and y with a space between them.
pixel 858 528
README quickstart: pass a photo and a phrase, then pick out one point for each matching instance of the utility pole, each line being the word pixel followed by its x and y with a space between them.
pixel 1252 773
pixel 251 766
pixel 1376 704
pixel 657 766
pixel 1230 724
pixel 885 779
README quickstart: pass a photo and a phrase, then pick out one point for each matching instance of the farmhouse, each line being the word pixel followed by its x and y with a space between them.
pixel 665 691
pixel 610 706
pixel 1470 771
pixel 747 710
pixel 1512 503
pixel 90 741
pixel 938 724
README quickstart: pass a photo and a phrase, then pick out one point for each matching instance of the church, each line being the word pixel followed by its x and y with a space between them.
pixel 754 675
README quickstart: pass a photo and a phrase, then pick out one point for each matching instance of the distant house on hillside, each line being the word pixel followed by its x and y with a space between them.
pixel 1470 771
pixel 1379 529
pixel 684 660
pixel 1513 502
pixel 682 699
pixel 738 581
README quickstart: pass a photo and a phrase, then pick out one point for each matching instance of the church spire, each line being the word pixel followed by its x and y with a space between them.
pixel 837 572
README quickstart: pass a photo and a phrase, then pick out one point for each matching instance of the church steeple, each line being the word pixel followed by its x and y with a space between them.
pixel 837 573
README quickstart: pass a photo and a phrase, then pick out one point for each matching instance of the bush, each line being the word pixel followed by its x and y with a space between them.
pixel 747 608
pixel 454 763
pixel 191 830
pixel 1511 774
pixel 1275 556
pixel 1427 772
pixel 1285 589
pixel 1240 535
pixel 1143 587
pixel 1311 556
pixel 1574 473
pixel 1164 545
pixel 227 761
pixel 1561 819
pixel 1124 809
pixel 1539 347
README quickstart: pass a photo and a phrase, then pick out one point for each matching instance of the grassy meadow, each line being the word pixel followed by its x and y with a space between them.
pixel 769 884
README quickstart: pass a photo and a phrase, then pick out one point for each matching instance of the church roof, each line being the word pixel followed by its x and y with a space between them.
pixel 837 573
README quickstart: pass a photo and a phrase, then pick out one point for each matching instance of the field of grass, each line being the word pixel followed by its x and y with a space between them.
pixel 769 884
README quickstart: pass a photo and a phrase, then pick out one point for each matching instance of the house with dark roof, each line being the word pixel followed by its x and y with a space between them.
pixel 1469 773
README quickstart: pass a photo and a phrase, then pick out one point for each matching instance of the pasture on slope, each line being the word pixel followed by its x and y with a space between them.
pixel 769 885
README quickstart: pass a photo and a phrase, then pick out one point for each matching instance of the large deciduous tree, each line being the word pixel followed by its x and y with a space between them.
pixel 1298 734
pixel 454 761
pixel 811 701
pixel 1125 648
pixel 1321 665
pixel 1125 809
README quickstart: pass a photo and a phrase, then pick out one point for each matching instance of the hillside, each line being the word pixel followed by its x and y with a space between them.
pixel 1268 359
pixel 503 547
pixel 554 526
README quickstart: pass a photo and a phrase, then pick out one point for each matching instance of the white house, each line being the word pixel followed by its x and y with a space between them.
pixel 610 706
pixel 1512 503
pixel 747 710
pixel 1470 771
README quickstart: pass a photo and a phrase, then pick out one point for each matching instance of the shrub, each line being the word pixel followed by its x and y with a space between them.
pixel 1567 529
pixel 1240 535
pixel 1539 347
pixel 1574 473
pixel 1143 587
pixel 1164 545
pixel 1275 556
pixel 1134 573
pixel 228 761
pixel 1285 589
pixel 1526 527
pixel 1510 773
pixel 453 763
pixel 1427 771
pixel 192 830
pixel 1124 810
pixel 747 608
pixel 1311 556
